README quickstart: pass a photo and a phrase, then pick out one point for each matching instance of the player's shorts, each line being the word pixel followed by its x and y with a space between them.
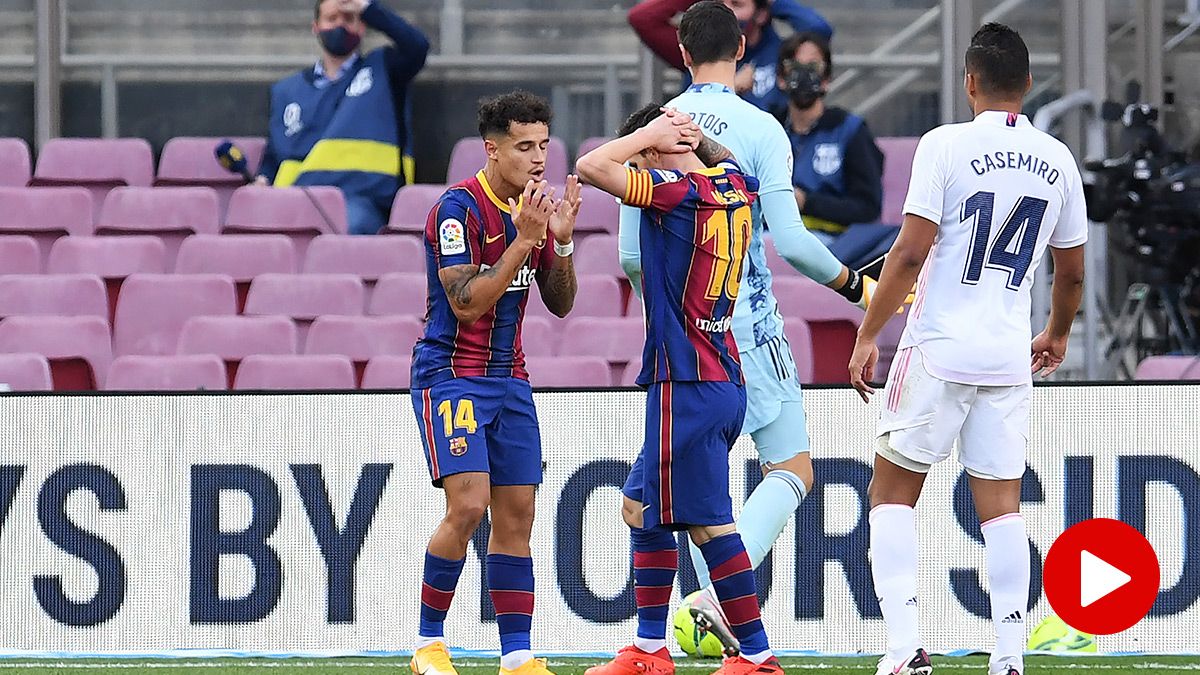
pixel 923 416
pixel 774 403
pixel 480 424
pixel 681 476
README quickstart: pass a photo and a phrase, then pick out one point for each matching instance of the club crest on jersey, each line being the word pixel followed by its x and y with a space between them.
pixel 362 83
pixel 458 446
pixel 452 237
pixel 827 158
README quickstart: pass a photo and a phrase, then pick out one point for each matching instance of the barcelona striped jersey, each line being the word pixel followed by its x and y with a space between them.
pixel 695 231
pixel 469 225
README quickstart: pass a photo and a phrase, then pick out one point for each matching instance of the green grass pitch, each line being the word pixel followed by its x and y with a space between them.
pixel 1140 665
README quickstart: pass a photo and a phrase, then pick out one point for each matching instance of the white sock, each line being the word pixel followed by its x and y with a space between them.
pixel 763 518
pixel 759 657
pixel 894 571
pixel 648 645
pixel 514 660
pixel 424 640
pixel 1008 580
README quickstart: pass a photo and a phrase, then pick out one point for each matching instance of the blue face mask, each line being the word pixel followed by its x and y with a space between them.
pixel 339 41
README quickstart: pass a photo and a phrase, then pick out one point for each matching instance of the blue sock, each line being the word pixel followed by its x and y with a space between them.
pixel 437 590
pixel 655 561
pixel 763 518
pixel 733 580
pixel 510 583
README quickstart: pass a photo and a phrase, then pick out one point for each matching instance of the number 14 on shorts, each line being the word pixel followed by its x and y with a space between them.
pixel 457 415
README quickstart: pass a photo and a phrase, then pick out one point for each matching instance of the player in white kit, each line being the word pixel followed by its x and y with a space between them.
pixel 986 198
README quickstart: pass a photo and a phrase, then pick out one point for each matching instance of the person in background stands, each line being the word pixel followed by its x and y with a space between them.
pixel 652 20
pixel 343 122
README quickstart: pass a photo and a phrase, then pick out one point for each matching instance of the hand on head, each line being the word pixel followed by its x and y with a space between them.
pixel 673 132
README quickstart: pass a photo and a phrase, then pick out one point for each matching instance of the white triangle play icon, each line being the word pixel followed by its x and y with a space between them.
pixel 1097 578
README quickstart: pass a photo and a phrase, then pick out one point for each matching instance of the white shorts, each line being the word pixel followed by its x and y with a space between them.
pixel 923 416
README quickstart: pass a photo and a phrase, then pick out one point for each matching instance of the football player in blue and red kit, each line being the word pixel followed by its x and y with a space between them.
pixel 486 240
pixel 695 231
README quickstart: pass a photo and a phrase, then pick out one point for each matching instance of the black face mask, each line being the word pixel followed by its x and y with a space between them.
pixel 803 83
pixel 339 41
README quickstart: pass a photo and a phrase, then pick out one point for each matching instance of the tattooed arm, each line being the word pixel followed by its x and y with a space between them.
pixel 557 284
pixel 472 292
pixel 711 152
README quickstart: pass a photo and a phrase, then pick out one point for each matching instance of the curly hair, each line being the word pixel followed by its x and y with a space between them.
pixel 498 112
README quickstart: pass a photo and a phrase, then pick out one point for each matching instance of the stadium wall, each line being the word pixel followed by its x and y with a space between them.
pixel 296 523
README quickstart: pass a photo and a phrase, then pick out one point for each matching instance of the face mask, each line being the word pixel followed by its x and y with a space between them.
pixel 339 41
pixel 803 83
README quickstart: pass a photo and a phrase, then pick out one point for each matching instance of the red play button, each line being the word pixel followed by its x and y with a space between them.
pixel 1101 576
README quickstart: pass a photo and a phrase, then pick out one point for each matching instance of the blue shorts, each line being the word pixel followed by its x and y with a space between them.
pixel 480 424
pixel 681 476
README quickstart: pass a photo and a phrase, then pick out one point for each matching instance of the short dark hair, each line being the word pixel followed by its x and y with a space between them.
pixel 498 112
pixel 644 115
pixel 787 51
pixel 317 9
pixel 709 31
pixel 999 60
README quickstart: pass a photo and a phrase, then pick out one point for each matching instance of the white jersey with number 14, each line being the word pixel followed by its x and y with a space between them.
pixel 1000 191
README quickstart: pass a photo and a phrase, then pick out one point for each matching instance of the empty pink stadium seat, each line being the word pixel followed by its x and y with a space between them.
pixel 362 338
pixel 1169 368
pixel 832 321
pixel 266 371
pixel 598 254
pixel 399 294
pixel 597 295
pixel 25 372
pixel 539 337
pixel 45 214
pixel 167 373
pixel 53 295
pixel 411 207
pixel 98 164
pixel 468 157
pixel 630 374
pixel 898 154
pixel 304 297
pixel 388 372
pixel 800 339
pixel 233 338
pixel 19 254
pixel 242 257
pixel 170 213
pixel 110 258
pixel 599 212
pixel 190 160
pixel 300 213
pixel 154 307
pixel 618 341
pixel 367 257
pixel 78 347
pixel 14 162
pixel 589 144
pixel 568 371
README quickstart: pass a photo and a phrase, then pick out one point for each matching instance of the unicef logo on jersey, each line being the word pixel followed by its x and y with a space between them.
pixel 291 119
pixel 361 84
pixel 827 158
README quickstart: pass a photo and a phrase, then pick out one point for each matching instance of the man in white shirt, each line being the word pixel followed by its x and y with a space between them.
pixel 986 198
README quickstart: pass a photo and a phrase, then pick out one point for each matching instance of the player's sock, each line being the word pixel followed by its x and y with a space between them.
pixel 510 583
pixel 733 580
pixel 1008 579
pixel 655 560
pixel 894 570
pixel 763 518
pixel 437 590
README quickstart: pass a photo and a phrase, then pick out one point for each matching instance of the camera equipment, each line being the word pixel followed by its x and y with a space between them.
pixel 803 82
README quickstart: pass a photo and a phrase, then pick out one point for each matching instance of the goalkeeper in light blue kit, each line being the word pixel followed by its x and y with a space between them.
pixel 774 411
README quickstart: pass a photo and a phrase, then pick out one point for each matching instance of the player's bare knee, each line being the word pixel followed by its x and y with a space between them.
pixel 465 511
pixel 800 466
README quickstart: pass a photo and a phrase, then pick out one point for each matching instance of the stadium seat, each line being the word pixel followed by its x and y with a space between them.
pixel 800 339
pixel 1169 368
pixel 597 295
pixel 53 295
pixel 367 257
pixel 598 254
pixel 19 254
pixel 233 338
pixel 399 294
pixel 267 371
pixel 599 212
pixel 468 157
pixel 362 338
pixel 170 213
pixel 45 214
pixel 110 258
pixel 832 321
pixel 539 337
pixel 167 373
pixel 154 307
pixel 189 160
pixel 589 144
pixel 304 297
pixel 629 376
pixel 14 162
pixel 898 154
pixel 300 213
pixel 568 371
pixel 98 164
pixel 388 372
pixel 411 207
pixel 25 372
pixel 78 348
pixel 619 341
pixel 242 258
